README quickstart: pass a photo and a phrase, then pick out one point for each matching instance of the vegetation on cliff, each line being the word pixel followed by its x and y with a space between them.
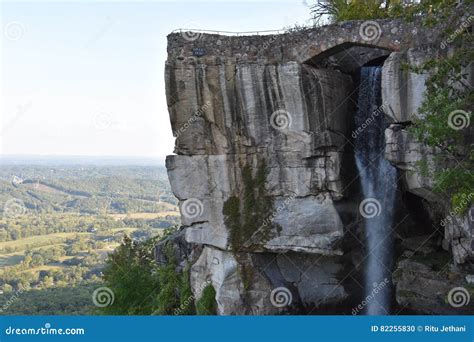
pixel 143 287
pixel 246 218
pixel 206 305
pixel 341 10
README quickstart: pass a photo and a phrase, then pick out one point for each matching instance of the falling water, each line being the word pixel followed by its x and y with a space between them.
pixel 378 179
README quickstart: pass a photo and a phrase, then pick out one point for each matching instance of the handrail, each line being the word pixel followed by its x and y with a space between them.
pixel 258 33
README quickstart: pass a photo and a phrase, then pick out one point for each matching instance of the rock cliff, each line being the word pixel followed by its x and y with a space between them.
pixel 264 166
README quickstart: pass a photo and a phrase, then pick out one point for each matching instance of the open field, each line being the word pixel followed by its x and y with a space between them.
pixel 39 241
pixel 145 216
pixel 10 259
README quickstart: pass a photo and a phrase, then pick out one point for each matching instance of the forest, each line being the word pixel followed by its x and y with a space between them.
pixel 59 223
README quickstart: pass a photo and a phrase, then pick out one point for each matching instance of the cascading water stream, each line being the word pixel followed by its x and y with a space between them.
pixel 378 180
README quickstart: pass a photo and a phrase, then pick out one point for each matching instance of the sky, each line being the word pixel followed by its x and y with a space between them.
pixel 87 78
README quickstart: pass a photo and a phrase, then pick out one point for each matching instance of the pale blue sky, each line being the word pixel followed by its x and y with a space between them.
pixel 86 78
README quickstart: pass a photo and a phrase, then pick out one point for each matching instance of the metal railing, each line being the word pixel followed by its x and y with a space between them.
pixel 231 33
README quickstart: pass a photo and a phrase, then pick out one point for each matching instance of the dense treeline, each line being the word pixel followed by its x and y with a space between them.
pixel 52 301
pixel 86 189
pixel 26 226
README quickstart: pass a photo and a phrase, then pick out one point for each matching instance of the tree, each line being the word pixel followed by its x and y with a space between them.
pixel 206 305
pixel 168 297
pixel 186 296
pixel 131 273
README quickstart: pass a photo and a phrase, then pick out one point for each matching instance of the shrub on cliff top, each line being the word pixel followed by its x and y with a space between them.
pixel 341 10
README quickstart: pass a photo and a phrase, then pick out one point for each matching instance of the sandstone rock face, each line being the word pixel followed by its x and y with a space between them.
pixel 407 154
pixel 302 152
pixel 244 282
pixel 263 143
pixel 403 90
pixel 425 283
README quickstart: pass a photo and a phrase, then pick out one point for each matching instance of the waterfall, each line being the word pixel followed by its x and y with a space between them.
pixel 378 180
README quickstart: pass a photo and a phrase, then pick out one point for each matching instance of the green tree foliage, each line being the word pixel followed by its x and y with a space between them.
pixel 168 297
pixel 92 190
pixel 187 305
pixel 341 10
pixel 72 300
pixel 448 94
pixel 131 273
pixel 206 305
pixel 141 287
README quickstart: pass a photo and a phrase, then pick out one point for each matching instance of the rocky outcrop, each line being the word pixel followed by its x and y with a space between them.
pixel 426 281
pixel 402 90
pixel 289 116
pixel 293 118
pixel 264 166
